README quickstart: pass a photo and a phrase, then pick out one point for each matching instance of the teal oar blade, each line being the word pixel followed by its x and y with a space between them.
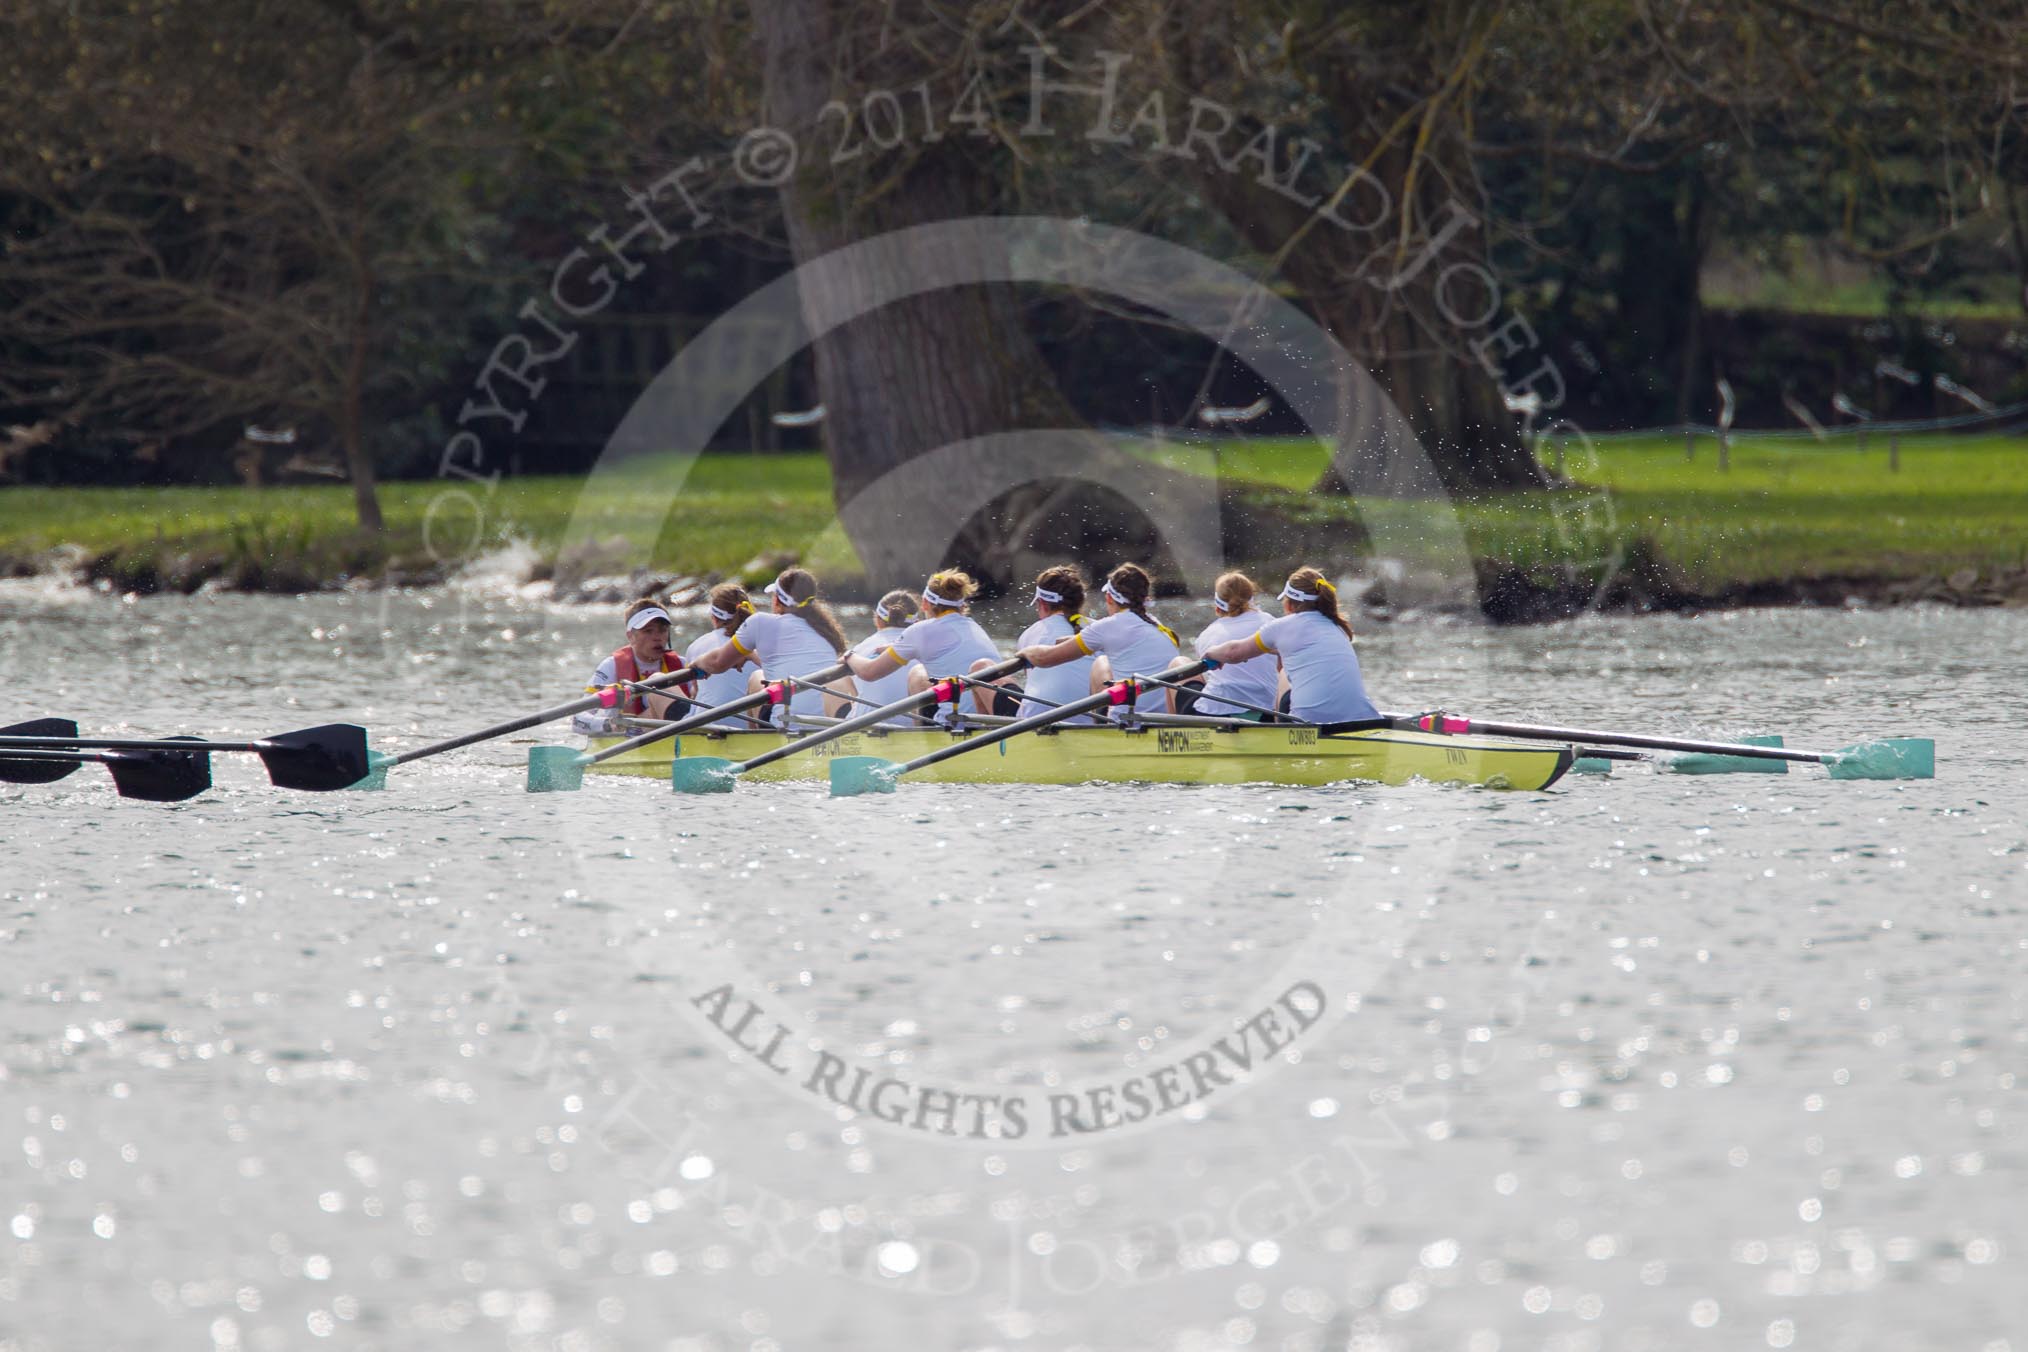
pixel 702 774
pixel 571 775
pixel 1890 758
pixel 376 773
pixel 870 774
pixel 1706 763
pixel 556 769
pixel 719 778
pixel 1598 760
pixel 854 775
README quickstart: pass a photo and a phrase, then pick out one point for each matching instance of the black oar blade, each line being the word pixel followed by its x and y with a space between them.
pixel 318 759
pixel 42 727
pixel 160 776
pixel 38 771
pixel 35 770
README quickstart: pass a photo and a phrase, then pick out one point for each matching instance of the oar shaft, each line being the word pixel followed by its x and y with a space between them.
pixel 950 687
pixel 1019 726
pixel 1205 696
pixel 738 706
pixel 576 706
pixel 1450 723
pixel 28 754
pixel 122 744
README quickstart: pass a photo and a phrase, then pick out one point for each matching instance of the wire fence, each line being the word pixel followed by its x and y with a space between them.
pixel 1995 420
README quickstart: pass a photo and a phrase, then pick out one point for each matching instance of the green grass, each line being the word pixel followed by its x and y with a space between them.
pixel 730 508
pixel 1866 299
pixel 1785 509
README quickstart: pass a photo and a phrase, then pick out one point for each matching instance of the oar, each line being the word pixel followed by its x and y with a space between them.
pixel 376 778
pixel 1887 758
pixel 50 770
pixel 559 769
pixel 852 775
pixel 715 774
pixel 332 756
pixel 1598 760
pixel 155 776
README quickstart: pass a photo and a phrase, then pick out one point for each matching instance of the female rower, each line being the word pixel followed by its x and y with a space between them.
pixel 1059 603
pixel 947 641
pixel 1313 643
pixel 798 636
pixel 645 653
pixel 730 606
pixel 1251 681
pixel 1127 642
pixel 890 617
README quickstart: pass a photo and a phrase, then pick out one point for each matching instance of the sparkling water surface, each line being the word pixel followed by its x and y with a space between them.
pixel 1645 1061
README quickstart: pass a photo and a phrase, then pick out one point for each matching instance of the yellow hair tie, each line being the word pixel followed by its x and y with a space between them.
pixel 1327 586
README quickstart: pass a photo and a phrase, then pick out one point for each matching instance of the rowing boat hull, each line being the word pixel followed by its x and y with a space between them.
pixel 1248 754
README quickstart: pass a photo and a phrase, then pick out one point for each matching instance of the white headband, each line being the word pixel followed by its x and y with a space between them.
pixel 936 600
pixel 1218 604
pixel 1112 592
pixel 880 609
pixel 718 614
pixel 1289 593
pixel 1044 594
pixel 642 619
pixel 774 589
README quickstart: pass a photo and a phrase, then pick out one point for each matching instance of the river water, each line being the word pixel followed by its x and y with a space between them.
pixel 1645 1061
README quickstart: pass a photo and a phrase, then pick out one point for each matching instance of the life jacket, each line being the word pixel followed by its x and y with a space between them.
pixel 626 669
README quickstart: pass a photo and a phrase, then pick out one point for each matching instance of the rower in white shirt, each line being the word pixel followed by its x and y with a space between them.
pixel 1252 682
pixel 1313 643
pixel 890 616
pixel 730 606
pixel 947 641
pixel 799 636
pixel 1059 614
pixel 1127 642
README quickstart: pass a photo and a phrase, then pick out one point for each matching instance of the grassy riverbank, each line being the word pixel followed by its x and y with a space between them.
pixel 731 508
pixel 1784 511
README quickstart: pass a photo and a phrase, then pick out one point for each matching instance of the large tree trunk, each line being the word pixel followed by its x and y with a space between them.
pixel 931 371
pixel 352 395
pixel 1656 283
pixel 1377 291
pixel 1386 317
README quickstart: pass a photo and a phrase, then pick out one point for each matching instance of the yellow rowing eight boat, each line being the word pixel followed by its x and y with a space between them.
pixel 1240 754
